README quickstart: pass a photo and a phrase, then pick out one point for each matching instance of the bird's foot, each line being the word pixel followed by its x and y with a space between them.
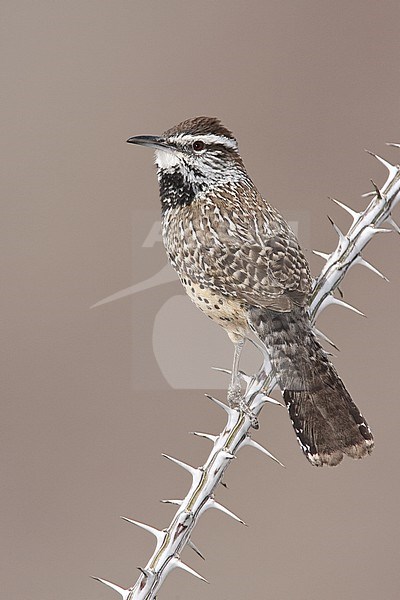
pixel 236 401
pixel 235 395
pixel 244 407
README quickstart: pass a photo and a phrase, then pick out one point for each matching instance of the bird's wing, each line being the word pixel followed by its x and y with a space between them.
pixel 261 266
pixel 274 274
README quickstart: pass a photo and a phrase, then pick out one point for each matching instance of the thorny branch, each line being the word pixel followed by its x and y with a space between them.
pixel 171 541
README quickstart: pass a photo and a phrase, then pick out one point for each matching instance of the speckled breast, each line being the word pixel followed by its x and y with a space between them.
pixel 230 313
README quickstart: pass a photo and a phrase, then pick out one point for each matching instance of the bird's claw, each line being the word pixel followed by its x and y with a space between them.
pixel 236 401
pixel 235 395
pixel 244 407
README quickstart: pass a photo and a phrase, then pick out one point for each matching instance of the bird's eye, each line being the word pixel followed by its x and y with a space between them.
pixel 198 146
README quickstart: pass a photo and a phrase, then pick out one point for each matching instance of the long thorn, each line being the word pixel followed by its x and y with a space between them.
pixel 374 230
pixel 342 238
pixel 124 593
pixel 325 337
pixel 271 400
pixel 206 436
pixel 323 255
pixel 177 563
pixel 241 375
pixel 254 444
pixel 189 468
pixel 222 370
pixel 391 168
pixel 377 190
pixel 354 214
pixel 361 261
pixel 349 306
pixel 219 403
pixel 368 194
pixel 159 535
pixel 177 502
pixel 195 548
pixel 393 224
pixel 332 300
pixel 211 503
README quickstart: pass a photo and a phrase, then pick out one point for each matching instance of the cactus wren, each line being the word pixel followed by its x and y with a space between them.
pixel 241 264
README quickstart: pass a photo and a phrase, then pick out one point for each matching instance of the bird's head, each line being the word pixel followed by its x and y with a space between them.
pixel 197 154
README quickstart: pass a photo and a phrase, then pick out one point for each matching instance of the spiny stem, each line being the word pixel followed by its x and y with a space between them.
pixel 236 434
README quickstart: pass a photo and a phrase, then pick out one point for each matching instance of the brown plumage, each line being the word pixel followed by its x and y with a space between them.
pixel 241 264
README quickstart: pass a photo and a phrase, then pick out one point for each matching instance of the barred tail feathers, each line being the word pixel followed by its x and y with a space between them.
pixel 326 421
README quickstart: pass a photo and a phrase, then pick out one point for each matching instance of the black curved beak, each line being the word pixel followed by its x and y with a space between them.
pixel 151 141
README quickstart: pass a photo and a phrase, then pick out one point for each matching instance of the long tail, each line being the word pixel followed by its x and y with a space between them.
pixel 327 422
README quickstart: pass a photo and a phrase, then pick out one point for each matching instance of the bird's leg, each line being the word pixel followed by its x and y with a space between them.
pixel 235 396
pixel 235 388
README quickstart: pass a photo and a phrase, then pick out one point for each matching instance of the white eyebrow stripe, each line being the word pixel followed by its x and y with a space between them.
pixel 209 138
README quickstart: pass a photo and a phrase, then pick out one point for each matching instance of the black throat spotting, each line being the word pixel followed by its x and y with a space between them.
pixel 175 190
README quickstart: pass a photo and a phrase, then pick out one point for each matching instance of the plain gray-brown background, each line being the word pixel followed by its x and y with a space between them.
pixel 86 412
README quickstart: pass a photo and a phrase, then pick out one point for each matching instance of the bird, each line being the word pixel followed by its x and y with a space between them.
pixel 242 265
